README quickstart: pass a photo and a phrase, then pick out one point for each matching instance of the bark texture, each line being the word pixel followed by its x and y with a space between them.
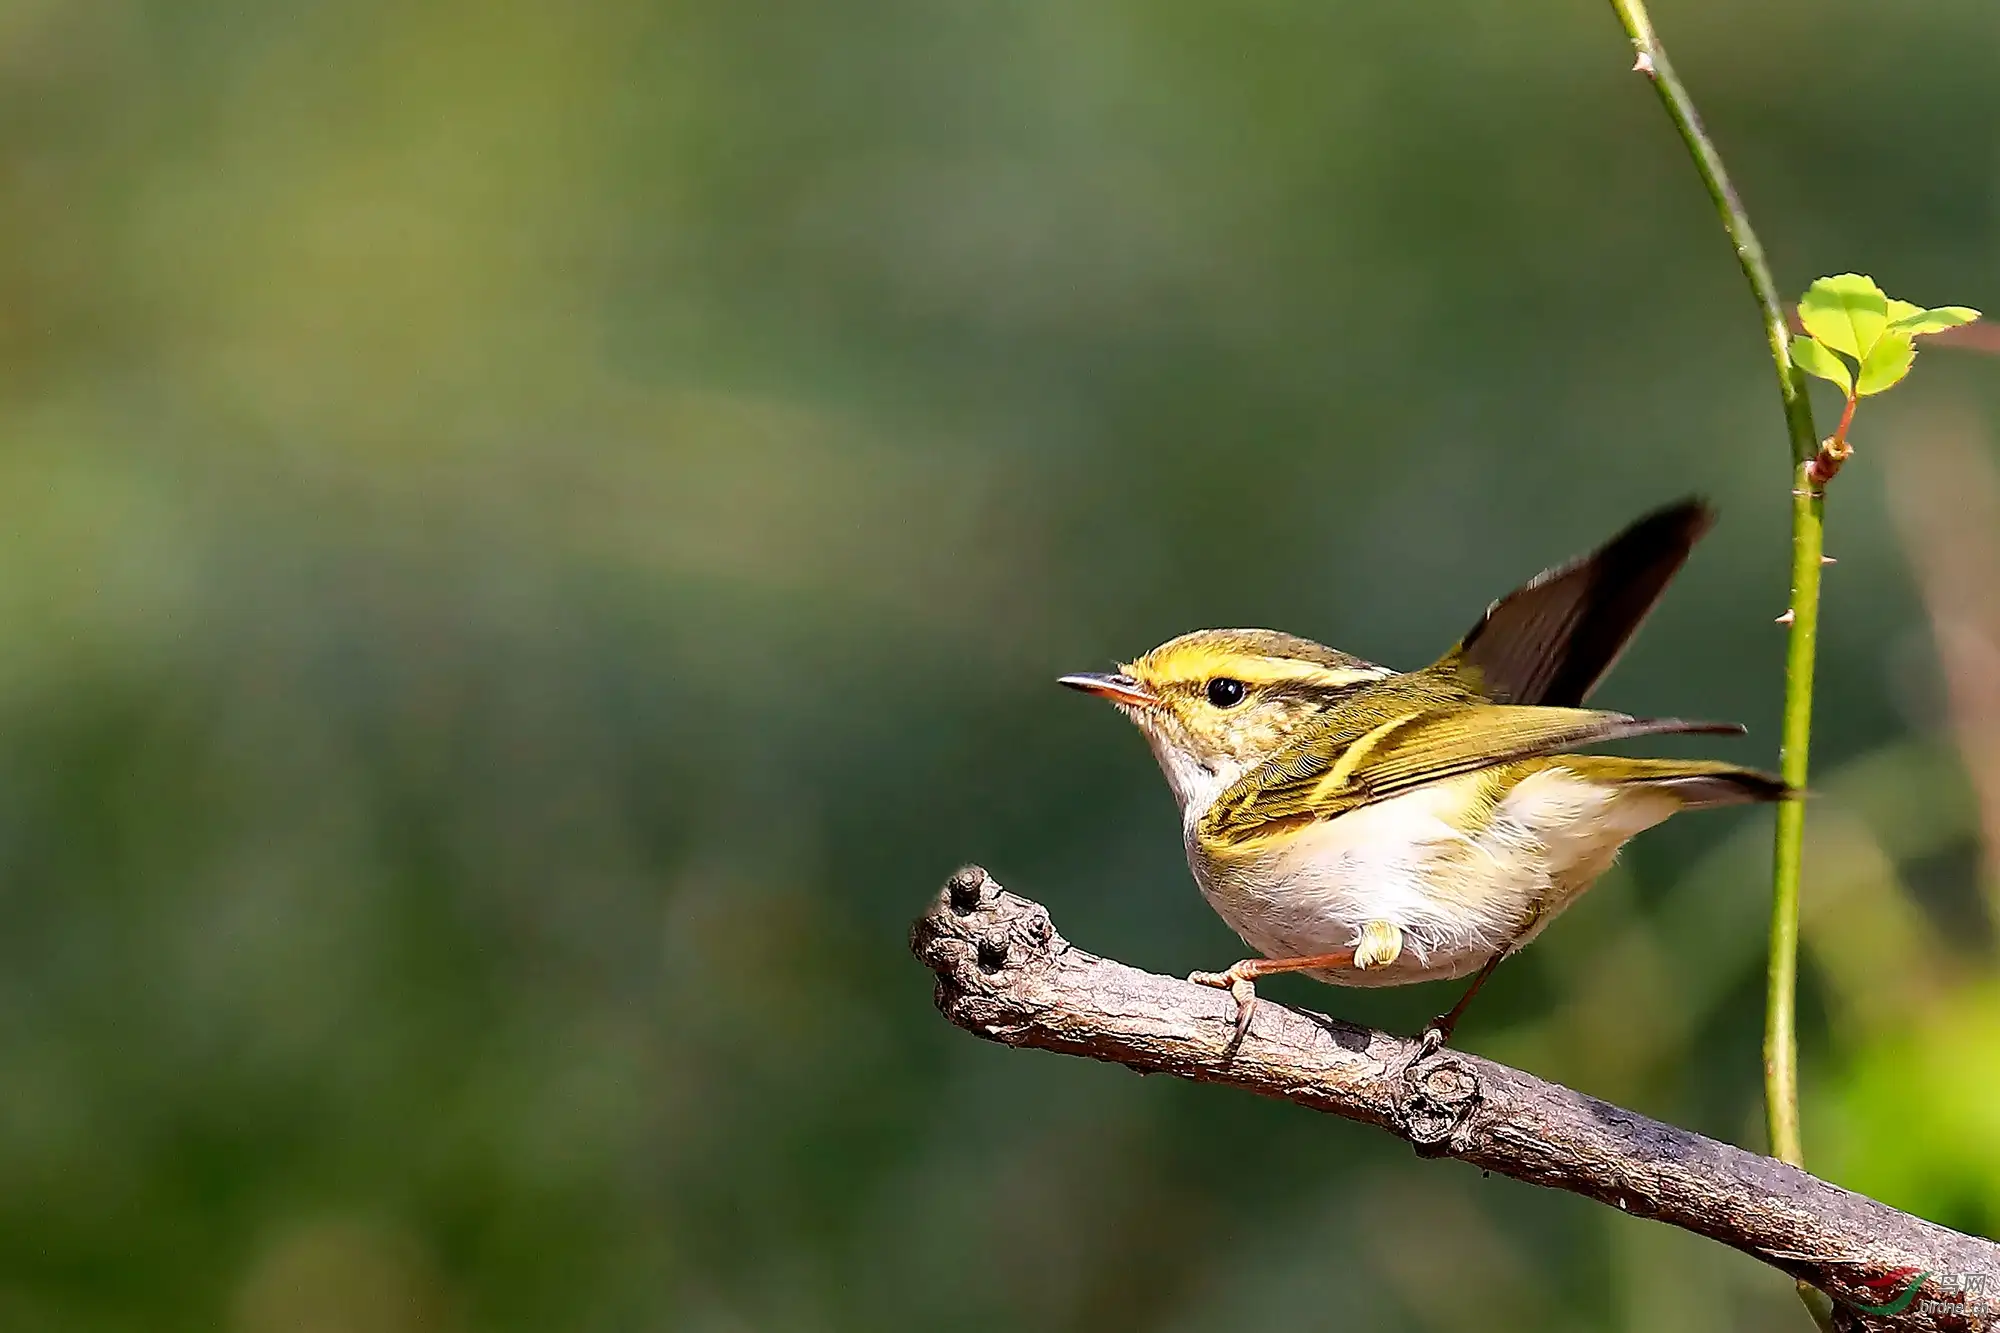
pixel 1003 973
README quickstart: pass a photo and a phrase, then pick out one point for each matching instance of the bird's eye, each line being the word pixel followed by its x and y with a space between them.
pixel 1224 692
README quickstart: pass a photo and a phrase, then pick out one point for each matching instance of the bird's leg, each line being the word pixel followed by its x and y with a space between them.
pixel 1240 981
pixel 1440 1029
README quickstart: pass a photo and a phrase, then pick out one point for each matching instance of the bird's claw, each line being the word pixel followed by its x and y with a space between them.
pixel 1430 1041
pixel 1241 989
pixel 1244 992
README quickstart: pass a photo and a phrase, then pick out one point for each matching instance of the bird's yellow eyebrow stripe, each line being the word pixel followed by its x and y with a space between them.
pixel 1350 758
pixel 1259 670
pixel 1334 678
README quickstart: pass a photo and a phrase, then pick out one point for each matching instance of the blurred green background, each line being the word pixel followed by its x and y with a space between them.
pixel 537 535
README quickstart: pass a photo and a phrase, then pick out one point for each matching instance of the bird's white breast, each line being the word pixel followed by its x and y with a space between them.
pixel 1458 897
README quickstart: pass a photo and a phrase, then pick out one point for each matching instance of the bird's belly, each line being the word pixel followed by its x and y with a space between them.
pixel 1458 897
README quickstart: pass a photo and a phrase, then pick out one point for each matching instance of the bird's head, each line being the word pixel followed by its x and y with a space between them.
pixel 1215 703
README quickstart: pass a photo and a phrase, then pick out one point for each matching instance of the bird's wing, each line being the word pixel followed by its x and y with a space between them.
pixel 1339 767
pixel 1552 640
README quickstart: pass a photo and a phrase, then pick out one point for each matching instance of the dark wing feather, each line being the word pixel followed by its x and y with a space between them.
pixel 1333 769
pixel 1551 641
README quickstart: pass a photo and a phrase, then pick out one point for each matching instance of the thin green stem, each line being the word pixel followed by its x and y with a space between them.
pixel 1781 1051
pixel 1749 252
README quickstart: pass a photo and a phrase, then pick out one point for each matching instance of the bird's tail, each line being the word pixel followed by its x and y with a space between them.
pixel 1694 783
pixel 1700 783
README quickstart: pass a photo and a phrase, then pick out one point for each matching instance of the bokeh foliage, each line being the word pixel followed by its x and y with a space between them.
pixel 537 534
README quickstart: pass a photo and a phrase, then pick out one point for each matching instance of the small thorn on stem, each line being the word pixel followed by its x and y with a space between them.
pixel 1785 619
pixel 1828 560
pixel 1644 64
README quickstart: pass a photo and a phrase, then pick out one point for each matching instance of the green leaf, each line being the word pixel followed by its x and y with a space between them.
pixel 1811 356
pixel 1847 313
pixel 1902 310
pixel 1886 363
pixel 1929 321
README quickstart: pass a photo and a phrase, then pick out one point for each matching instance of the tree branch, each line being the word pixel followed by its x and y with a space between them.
pixel 1004 974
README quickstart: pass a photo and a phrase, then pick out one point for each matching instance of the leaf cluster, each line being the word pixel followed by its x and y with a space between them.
pixel 1849 316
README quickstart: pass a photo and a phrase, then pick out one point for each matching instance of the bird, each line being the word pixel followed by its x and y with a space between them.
pixel 1373 827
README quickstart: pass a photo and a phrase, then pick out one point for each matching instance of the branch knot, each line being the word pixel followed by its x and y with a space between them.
pixel 1439 1095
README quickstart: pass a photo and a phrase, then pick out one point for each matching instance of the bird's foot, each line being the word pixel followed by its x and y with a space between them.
pixel 1240 980
pixel 1434 1037
pixel 1241 989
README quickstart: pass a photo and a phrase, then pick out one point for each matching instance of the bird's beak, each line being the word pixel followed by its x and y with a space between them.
pixel 1119 689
